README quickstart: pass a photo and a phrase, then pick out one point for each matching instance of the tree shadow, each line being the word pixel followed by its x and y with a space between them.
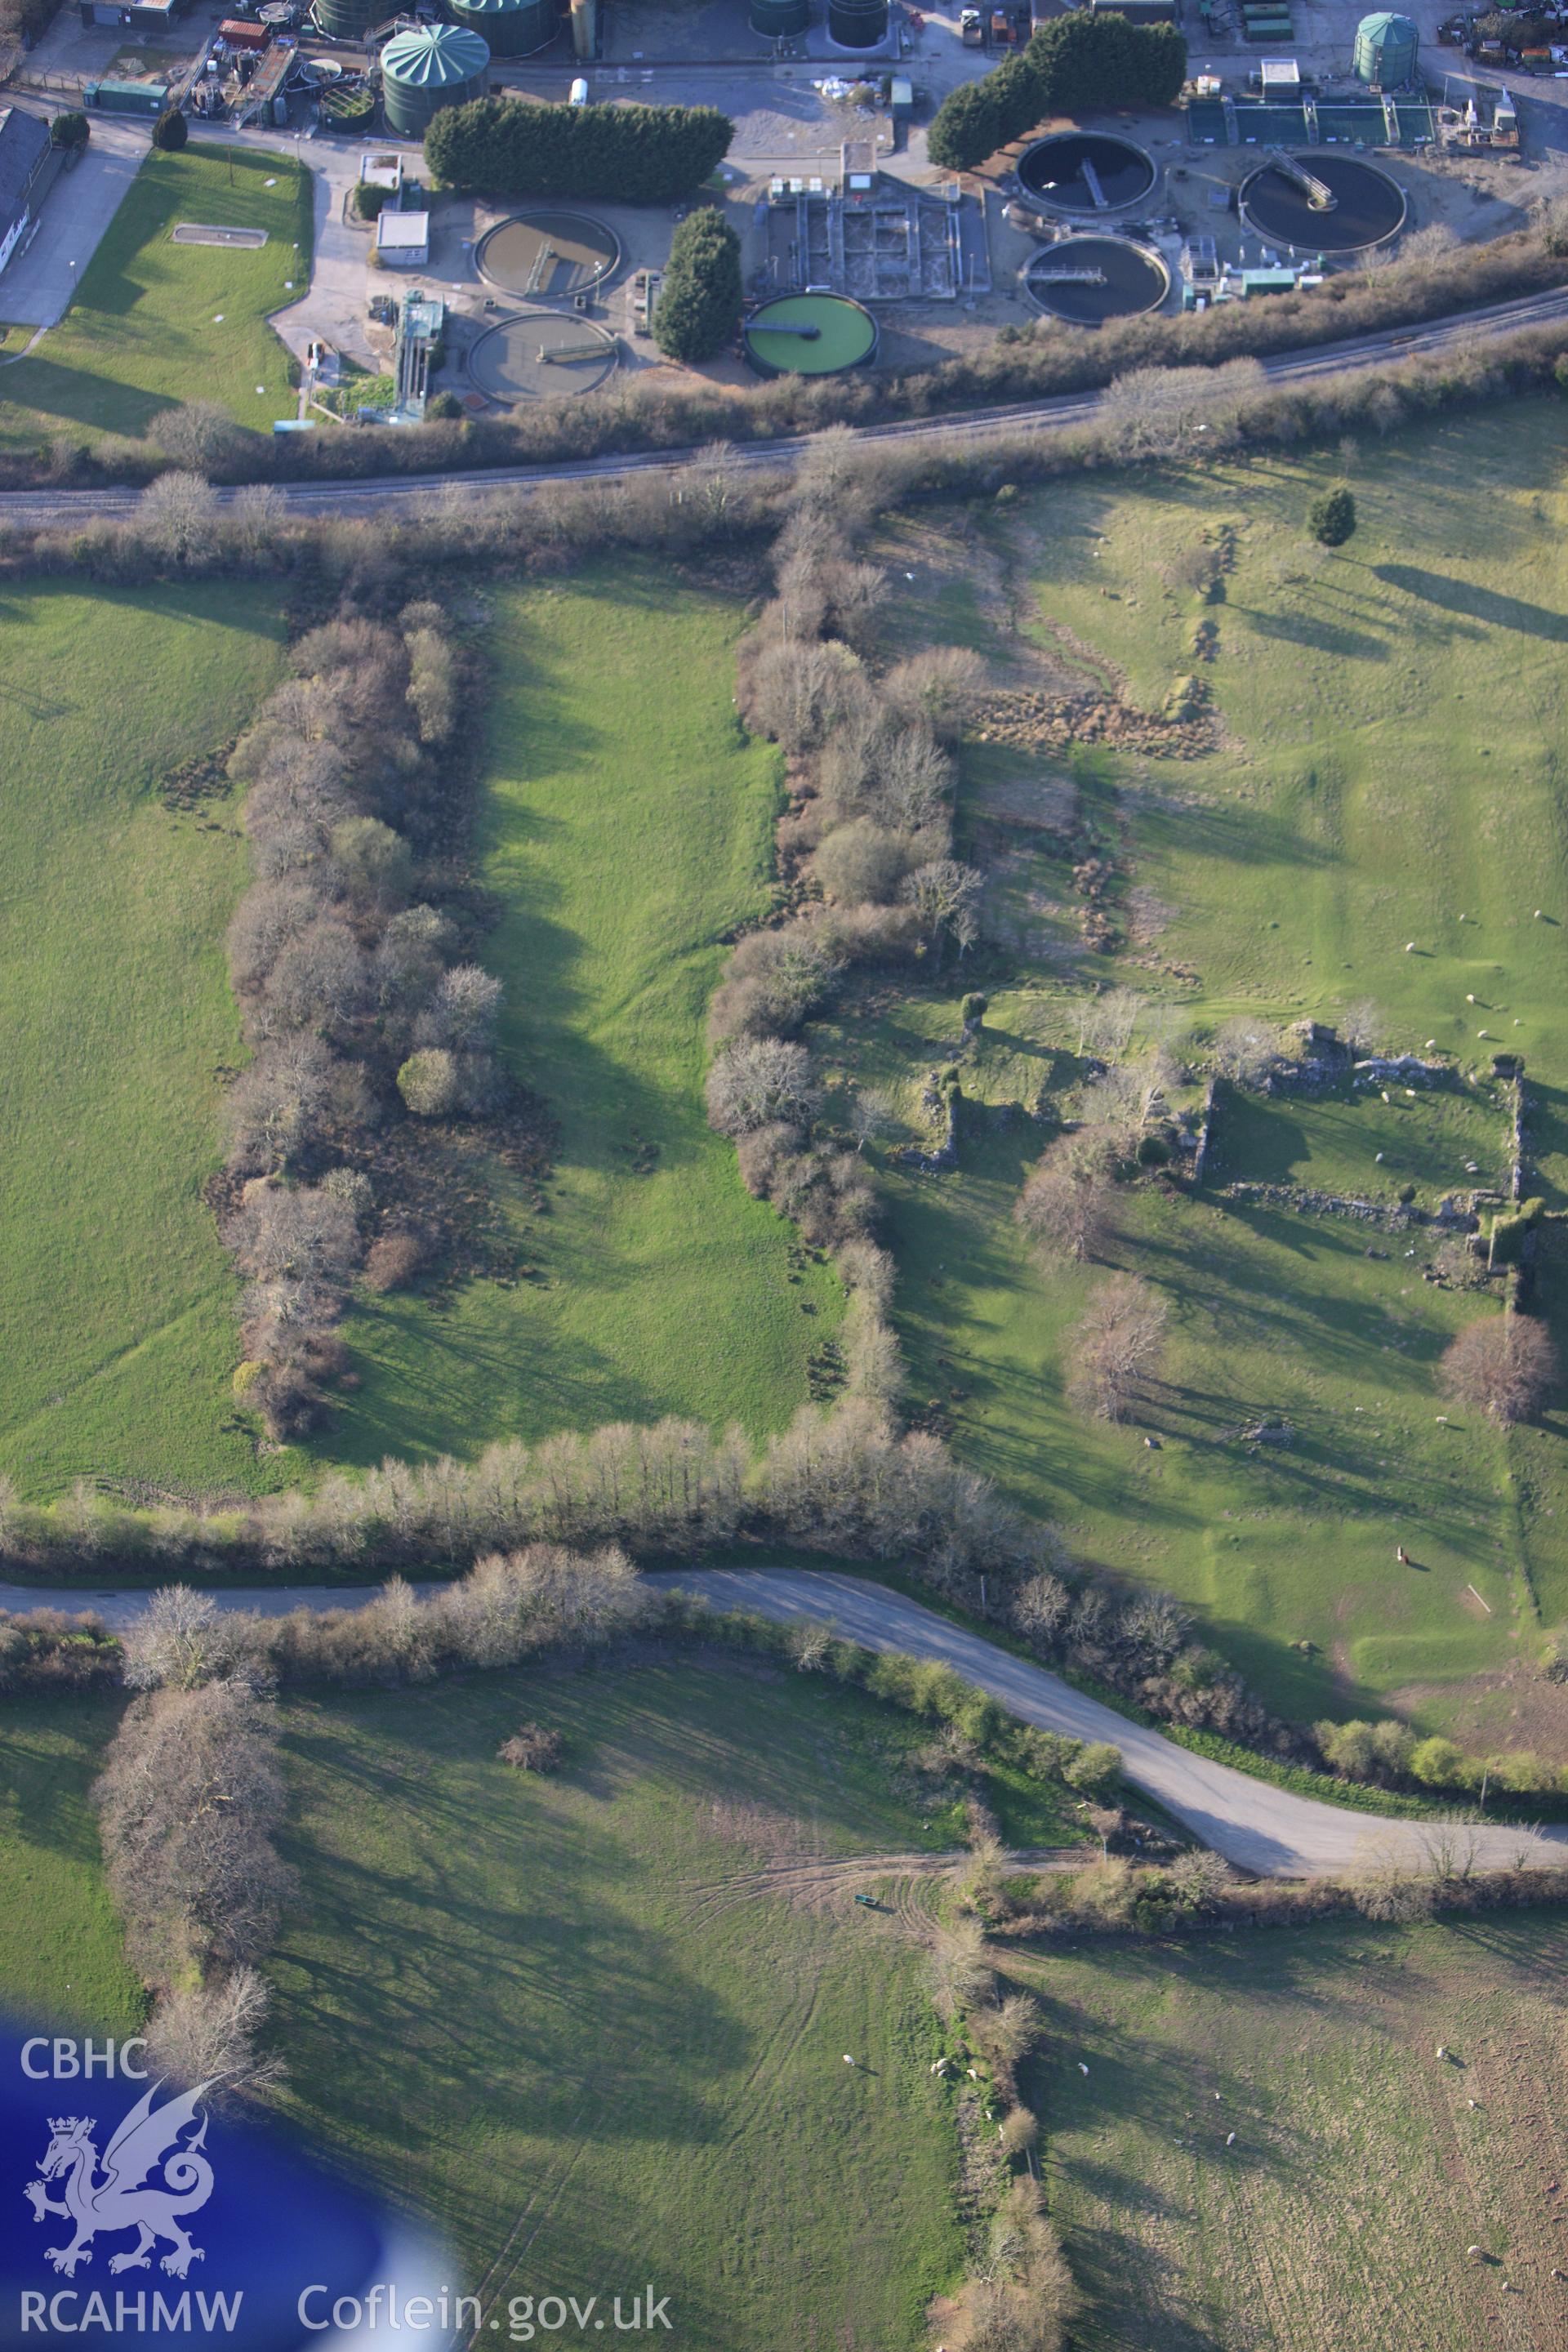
pixel 1470 602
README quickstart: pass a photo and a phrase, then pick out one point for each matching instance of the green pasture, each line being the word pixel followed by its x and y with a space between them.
pixel 60 1951
pixel 155 323
pixel 1390 725
pixel 117 1328
pixel 1383 820
pixel 566 2020
pixel 625 828
pixel 1265 2148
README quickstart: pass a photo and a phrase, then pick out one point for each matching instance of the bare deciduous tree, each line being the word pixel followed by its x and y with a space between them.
pixel 1246 1050
pixel 1505 1364
pixel 946 898
pixel 1041 1609
pixel 255 518
pixel 772 981
pixel 1066 1206
pixel 1127 1098
pixel 1117 1347
pixel 937 685
pixel 206 2034
pixel 1201 1878
pixel 463 1011
pixel 1167 408
pixel 281 1230
pixel 182 1639
pixel 871 1115
pixel 795 690
pixel 714 478
pixel 178 514
pixel 189 1799
pixel 961 1969
pixel 281 1104
pixel 200 436
pixel 756 1084
pixel 321 980
pixel 862 861
pixel 432 684
pixel 265 920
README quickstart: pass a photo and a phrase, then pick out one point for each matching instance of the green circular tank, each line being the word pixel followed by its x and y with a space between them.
pixel 428 68
pixel 1386 48
pixel 348 20
pixel 857 24
pixel 778 20
pixel 512 28
pixel 809 334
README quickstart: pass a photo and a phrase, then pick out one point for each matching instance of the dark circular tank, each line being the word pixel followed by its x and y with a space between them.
pixel 1086 172
pixel 1367 206
pixel 778 20
pixel 1088 280
pixel 857 24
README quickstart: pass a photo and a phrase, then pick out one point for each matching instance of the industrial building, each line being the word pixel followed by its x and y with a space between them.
pixel 25 151
pixel 132 15
pixel 402 239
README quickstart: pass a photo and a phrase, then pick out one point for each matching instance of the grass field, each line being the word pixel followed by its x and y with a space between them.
pixel 155 323
pixel 626 827
pixel 61 1954
pixel 116 1307
pixel 1392 726
pixel 565 2018
pixel 1360 2171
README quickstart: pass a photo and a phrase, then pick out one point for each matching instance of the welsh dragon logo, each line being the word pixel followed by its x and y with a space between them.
pixel 122 2194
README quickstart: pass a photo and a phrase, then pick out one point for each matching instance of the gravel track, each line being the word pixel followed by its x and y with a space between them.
pixel 1270 1831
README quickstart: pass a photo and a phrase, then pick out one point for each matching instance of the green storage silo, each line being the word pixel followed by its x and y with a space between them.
pixel 778 20
pixel 513 28
pixel 349 20
pixel 857 24
pixel 1387 48
pixel 427 68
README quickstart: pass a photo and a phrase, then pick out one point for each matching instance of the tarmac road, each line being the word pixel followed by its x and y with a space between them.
pixel 1257 1827
pixel 41 510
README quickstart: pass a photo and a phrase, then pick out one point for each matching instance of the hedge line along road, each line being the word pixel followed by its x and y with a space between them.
pixel 1255 1825
pixel 46 510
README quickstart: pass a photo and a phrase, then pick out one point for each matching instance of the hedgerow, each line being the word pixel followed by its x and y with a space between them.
pixel 632 154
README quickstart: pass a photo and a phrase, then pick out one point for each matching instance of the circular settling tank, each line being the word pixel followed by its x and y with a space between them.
pixel 809 334
pixel 1086 172
pixel 537 255
pixel 1088 280
pixel 1364 206
pixel 541 355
